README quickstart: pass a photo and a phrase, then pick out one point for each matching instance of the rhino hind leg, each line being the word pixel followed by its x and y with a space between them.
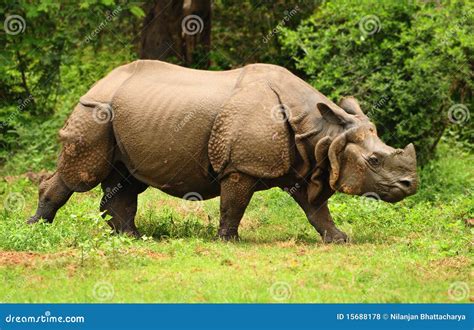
pixel 236 191
pixel 120 199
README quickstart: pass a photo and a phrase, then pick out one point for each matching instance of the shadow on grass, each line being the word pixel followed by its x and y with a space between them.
pixel 169 227
pixel 173 227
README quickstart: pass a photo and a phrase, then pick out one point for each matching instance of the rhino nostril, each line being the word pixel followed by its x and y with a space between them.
pixel 406 183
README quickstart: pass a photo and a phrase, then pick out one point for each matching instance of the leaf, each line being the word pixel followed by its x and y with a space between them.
pixel 137 11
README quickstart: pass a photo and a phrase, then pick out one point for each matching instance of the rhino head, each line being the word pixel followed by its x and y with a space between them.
pixel 361 164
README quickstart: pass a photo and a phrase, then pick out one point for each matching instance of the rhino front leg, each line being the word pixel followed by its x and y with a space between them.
pixel 320 218
pixel 120 199
pixel 236 191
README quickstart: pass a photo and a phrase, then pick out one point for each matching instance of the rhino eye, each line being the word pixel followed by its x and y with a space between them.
pixel 373 160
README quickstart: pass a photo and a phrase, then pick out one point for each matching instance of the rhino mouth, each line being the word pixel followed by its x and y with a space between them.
pixel 394 195
pixel 395 192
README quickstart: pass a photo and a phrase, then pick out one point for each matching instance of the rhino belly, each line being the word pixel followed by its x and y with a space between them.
pixel 164 136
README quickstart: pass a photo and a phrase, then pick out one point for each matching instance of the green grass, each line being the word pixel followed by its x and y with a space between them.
pixel 413 251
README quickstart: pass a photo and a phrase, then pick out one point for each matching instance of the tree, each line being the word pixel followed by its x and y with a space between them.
pixel 178 31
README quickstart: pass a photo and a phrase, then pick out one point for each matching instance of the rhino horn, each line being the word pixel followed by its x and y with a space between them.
pixel 409 151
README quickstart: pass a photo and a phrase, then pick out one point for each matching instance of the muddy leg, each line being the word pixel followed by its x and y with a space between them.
pixel 120 200
pixel 236 191
pixel 53 193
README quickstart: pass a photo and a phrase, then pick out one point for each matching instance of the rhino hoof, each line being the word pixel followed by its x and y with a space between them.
pixel 133 234
pixel 35 219
pixel 32 220
pixel 337 237
pixel 229 237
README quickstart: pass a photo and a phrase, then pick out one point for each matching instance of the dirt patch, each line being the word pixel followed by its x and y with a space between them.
pixel 35 177
pixel 155 255
pixel 17 258
pixel 32 259
pixel 202 251
pixel 14 258
pixel 71 270
pixel 449 267
pixel 287 244
pixel 460 262
pixel 136 252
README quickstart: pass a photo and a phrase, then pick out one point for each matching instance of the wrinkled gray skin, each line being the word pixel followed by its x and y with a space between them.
pixel 201 134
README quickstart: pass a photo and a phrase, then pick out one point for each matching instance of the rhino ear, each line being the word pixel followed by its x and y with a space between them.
pixel 351 106
pixel 251 134
pixel 319 177
pixel 335 150
pixel 333 116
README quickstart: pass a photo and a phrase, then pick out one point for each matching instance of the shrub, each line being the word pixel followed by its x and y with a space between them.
pixel 409 64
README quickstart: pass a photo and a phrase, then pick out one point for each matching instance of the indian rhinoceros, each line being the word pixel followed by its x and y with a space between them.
pixel 220 133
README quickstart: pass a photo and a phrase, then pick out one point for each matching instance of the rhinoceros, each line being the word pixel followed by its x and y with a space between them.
pixel 198 134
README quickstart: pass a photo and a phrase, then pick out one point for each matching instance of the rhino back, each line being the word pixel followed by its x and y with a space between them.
pixel 163 116
pixel 104 89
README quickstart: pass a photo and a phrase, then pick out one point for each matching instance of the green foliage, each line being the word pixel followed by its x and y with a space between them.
pixel 49 57
pixel 247 31
pixel 408 62
pixel 46 36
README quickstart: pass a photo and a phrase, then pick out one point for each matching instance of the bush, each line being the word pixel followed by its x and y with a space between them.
pixel 408 63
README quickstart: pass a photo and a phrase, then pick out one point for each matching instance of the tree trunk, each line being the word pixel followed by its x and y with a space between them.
pixel 161 34
pixel 196 28
pixel 178 31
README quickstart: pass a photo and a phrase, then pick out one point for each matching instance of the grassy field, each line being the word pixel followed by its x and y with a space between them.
pixel 419 250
